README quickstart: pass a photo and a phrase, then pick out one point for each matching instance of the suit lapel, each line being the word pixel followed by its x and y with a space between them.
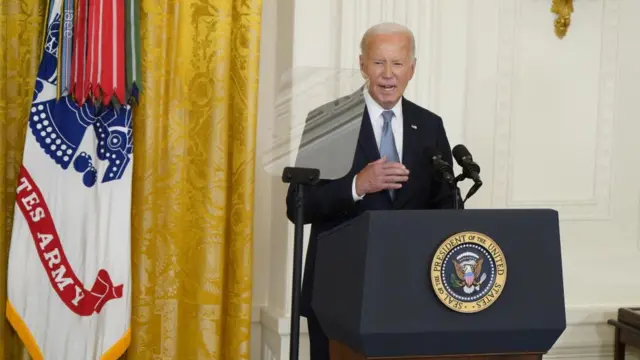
pixel 367 140
pixel 410 145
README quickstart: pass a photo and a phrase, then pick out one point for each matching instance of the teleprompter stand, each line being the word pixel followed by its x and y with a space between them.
pixel 299 177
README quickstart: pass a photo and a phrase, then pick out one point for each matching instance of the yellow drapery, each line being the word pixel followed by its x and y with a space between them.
pixel 194 149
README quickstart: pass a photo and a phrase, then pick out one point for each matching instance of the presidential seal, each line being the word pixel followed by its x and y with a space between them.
pixel 468 272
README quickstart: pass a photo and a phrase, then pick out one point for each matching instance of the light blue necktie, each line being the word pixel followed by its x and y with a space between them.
pixel 388 143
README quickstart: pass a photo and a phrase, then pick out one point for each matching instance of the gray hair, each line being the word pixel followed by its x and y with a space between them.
pixel 387 28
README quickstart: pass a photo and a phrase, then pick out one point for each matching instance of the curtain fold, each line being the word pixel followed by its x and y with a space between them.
pixel 194 151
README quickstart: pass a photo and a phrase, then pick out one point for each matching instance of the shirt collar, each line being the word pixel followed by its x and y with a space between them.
pixel 375 110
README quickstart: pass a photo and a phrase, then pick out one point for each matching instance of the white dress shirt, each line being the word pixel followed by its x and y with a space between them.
pixel 377 121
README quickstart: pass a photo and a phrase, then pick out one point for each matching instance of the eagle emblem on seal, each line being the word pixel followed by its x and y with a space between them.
pixel 469 274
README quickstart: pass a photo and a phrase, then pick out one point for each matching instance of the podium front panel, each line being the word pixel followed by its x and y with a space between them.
pixel 374 287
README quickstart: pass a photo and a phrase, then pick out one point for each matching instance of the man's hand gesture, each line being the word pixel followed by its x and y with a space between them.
pixel 381 175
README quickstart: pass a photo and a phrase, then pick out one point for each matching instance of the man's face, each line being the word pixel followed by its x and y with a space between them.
pixel 388 65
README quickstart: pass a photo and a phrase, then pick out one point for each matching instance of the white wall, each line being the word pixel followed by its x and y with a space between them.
pixel 553 123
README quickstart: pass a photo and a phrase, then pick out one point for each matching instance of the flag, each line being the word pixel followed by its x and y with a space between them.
pixel 69 273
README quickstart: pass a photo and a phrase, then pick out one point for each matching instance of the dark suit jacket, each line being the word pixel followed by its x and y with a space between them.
pixel 330 202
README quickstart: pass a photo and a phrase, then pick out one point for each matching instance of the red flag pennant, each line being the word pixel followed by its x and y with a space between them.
pixel 108 49
pixel 93 47
pixel 119 58
pixel 112 43
pixel 78 65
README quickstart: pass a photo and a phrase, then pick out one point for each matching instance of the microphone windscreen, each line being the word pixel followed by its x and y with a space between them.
pixel 459 152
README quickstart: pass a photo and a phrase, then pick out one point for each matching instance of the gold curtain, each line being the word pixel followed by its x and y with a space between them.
pixel 194 150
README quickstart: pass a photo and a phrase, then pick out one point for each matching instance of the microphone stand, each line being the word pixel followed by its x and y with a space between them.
pixel 300 178
pixel 456 190
pixel 457 195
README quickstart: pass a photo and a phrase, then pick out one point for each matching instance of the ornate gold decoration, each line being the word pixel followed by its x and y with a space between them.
pixel 563 10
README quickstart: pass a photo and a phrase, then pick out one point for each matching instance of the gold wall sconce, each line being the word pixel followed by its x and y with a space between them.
pixel 563 10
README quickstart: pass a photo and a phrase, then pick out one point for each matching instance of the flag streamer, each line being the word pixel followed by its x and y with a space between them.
pixel 66 41
pixel 79 53
pixel 105 61
pixel 92 48
pixel 132 9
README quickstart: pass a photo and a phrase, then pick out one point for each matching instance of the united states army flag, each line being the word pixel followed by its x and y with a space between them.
pixel 69 276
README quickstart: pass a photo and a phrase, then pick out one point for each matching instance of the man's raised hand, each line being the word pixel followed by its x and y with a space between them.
pixel 381 175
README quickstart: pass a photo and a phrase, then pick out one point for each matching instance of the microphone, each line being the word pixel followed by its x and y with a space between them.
pixel 440 165
pixel 470 169
pixel 446 170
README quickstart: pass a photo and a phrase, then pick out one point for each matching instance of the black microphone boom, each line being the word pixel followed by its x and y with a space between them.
pixel 446 171
pixel 440 165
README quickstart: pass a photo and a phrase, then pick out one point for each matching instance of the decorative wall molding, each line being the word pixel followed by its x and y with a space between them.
pixel 275 335
pixel 358 15
pixel 587 335
pixel 442 30
pixel 279 324
pixel 638 229
pixel 597 207
pixel 505 78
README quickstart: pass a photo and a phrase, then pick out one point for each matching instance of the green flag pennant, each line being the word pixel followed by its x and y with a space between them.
pixel 133 63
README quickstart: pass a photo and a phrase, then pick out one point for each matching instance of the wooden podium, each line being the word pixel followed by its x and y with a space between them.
pixel 338 351
pixel 391 285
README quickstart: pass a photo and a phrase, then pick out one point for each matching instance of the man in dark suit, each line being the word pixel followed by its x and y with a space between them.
pixel 389 169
